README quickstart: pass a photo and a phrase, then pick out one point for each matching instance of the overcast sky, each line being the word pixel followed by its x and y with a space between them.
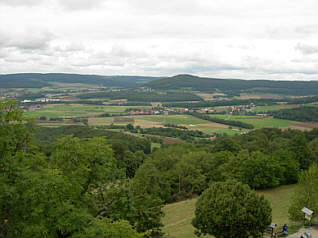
pixel 252 39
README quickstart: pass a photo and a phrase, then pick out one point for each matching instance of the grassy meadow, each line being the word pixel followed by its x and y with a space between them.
pixel 175 119
pixel 178 216
pixel 78 110
pixel 261 109
pixel 257 122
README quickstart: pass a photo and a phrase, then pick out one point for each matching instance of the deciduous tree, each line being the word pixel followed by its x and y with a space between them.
pixel 231 210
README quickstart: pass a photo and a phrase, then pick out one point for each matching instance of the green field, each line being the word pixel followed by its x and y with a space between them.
pixel 34 90
pixel 260 109
pixel 178 216
pixel 78 107
pixel 77 110
pixel 49 114
pixel 257 123
pixel 175 119
pixel 212 130
pixel 314 104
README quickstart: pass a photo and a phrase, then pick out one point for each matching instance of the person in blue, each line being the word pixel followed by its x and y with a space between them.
pixel 285 230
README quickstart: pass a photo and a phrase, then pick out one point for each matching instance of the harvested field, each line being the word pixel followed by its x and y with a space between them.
pixel 124 119
pixel 100 121
pixel 156 104
pixel 166 140
pixel 303 126
pixel 146 124
pixel 51 105
pixel 174 119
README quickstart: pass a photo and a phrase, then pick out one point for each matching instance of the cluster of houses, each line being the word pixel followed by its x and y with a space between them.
pixel 33 108
pixel 241 109
pixel 145 112
pixel 167 110
pixel 41 100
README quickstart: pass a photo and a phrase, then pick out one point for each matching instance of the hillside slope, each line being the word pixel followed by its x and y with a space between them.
pixel 36 80
pixel 235 86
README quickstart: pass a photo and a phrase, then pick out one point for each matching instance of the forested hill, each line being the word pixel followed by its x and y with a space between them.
pixel 235 86
pixel 36 80
pixel 228 86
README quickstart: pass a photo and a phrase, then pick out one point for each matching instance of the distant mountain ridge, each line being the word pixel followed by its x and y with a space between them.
pixel 38 80
pixel 234 86
pixel 183 81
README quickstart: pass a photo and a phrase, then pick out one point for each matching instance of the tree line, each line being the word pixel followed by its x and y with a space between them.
pixel 262 159
pixel 222 121
pixel 143 96
pixel 303 114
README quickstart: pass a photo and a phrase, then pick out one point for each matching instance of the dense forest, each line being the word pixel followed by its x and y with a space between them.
pixel 235 86
pixel 143 96
pixel 233 102
pixel 257 102
pixel 263 158
pixel 80 189
pixel 303 114
pixel 91 182
pixel 302 100
pixel 7 81
pixel 36 80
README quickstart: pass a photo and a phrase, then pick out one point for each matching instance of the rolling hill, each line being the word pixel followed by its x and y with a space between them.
pixel 36 80
pixel 231 87
pixel 235 86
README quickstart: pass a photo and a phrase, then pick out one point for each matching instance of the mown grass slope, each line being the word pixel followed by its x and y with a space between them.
pixel 177 221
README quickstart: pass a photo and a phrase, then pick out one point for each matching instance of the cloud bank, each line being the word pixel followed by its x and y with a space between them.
pixel 252 39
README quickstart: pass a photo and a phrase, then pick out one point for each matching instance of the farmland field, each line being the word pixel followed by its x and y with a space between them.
pixel 79 107
pixel 257 122
pixel 260 109
pixel 267 122
pixel 51 114
pixel 211 129
pixel 93 113
pixel 178 216
pixel 175 119
pixel 78 110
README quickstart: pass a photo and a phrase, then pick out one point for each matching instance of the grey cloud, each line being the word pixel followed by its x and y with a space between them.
pixel 175 7
pixel 119 51
pixel 241 46
pixel 80 4
pixel 307 49
pixel 65 49
pixel 75 47
pixel 66 4
pixel 118 56
pixel 27 41
pixel 15 3
pixel 306 29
